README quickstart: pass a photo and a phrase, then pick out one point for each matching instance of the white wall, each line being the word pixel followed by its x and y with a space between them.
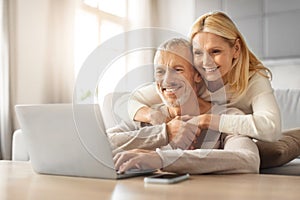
pixel 271 27
pixel 177 15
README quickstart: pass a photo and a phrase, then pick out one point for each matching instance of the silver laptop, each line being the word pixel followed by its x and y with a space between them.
pixel 68 139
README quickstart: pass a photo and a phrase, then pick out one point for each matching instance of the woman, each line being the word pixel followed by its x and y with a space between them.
pixel 234 77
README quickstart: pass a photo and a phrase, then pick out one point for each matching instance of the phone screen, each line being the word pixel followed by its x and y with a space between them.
pixel 166 178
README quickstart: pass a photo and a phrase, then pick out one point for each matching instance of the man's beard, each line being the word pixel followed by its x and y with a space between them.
pixel 179 101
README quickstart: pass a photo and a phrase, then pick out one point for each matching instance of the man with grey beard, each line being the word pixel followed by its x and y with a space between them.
pixel 177 83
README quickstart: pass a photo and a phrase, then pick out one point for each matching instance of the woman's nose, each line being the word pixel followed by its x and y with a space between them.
pixel 207 59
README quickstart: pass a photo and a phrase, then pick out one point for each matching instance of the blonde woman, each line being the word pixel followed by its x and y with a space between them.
pixel 234 78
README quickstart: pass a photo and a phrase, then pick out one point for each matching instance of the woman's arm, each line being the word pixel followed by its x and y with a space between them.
pixel 140 102
pixel 260 117
pixel 206 121
pixel 151 116
pixel 262 120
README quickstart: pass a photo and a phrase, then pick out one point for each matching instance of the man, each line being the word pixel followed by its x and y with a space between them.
pixel 177 83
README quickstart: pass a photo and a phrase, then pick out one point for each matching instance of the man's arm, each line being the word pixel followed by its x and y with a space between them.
pixel 124 137
pixel 240 155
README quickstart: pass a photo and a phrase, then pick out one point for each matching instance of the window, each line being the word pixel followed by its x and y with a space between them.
pixel 96 22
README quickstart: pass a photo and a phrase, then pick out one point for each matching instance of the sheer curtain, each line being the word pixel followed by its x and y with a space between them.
pixel 37 60
pixel 40 68
pixel 5 123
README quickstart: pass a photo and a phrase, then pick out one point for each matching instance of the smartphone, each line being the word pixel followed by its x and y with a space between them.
pixel 166 178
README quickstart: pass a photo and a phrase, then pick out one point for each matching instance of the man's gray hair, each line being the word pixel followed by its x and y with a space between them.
pixel 175 42
pixel 172 45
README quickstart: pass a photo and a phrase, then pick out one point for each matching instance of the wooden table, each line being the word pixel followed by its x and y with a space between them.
pixel 18 181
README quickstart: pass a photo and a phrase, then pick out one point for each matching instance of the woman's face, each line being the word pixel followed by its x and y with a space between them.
pixel 213 55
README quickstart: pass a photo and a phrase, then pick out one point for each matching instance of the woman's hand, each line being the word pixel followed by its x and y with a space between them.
pixel 137 159
pixel 181 134
pixel 209 121
pixel 204 121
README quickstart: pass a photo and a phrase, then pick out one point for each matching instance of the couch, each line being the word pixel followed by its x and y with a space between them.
pixel 289 103
pixel 288 100
pixel 286 84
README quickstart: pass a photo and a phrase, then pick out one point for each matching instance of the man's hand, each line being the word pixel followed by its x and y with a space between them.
pixel 181 134
pixel 137 159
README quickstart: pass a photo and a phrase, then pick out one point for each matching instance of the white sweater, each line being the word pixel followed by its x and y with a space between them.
pixel 234 153
pixel 262 116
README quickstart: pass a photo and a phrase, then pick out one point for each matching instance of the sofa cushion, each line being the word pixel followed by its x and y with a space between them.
pixel 291 168
pixel 19 149
pixel 284 73
pixel 289 104
pixel 274 154
pixel 115 108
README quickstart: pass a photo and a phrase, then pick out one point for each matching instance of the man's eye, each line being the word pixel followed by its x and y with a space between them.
pixel 159 72
pixel 198 53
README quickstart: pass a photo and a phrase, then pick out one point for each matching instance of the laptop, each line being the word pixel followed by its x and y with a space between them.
pixel 70 140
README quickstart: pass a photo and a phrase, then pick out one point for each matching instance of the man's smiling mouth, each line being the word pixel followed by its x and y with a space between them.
pixel 170 90
pixel 211 69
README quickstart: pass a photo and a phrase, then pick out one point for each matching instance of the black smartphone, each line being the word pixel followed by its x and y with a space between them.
pixel 166 178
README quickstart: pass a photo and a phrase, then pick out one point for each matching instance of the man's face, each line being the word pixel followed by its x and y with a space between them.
pixel 175 77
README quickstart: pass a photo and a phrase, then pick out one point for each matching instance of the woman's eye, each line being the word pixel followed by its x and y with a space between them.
pixel 216 51
pixel 179 70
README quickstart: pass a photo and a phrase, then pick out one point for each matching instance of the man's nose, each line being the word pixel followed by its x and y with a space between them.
pixel 169 77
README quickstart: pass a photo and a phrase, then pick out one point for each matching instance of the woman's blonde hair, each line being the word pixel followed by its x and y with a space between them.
pixel 220 24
